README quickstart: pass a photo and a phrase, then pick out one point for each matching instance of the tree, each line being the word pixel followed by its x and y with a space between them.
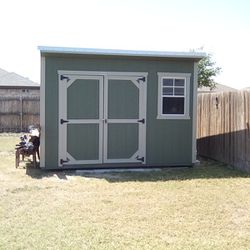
pixel 207 71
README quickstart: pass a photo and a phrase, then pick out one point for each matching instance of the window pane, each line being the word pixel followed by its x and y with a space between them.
pixel 173 105
pixel 179 82
pixel 167 91
pixel 179 91
pixel 168 82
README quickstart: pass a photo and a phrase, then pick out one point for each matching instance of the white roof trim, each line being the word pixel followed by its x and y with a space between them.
pixel 113 52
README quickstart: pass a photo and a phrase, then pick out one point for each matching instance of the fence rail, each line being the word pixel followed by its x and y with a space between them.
pixel 18 112
pixel 223 131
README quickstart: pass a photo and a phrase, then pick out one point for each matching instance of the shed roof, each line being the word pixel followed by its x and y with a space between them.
pixel 113 52
pixel 11 79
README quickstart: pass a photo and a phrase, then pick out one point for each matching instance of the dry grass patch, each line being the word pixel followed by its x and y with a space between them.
pixel 206 207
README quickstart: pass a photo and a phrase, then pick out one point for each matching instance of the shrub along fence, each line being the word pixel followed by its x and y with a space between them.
pixel 223 132
pixel 18 112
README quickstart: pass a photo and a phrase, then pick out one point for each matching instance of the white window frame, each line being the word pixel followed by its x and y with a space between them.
pixel 163 75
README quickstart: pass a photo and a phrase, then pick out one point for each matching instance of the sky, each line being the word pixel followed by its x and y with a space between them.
pixel 220 27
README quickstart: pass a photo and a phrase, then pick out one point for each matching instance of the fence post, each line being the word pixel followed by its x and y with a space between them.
pixel 21 113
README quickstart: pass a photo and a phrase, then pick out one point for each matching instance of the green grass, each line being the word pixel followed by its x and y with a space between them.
pixel 205 207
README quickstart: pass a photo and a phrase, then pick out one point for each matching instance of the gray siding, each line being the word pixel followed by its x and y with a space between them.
pixel 168 142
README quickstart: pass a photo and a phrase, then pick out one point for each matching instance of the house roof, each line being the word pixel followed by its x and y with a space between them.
pixel 11 79
pixel 113 52
pixel 218 88
pixel 3 72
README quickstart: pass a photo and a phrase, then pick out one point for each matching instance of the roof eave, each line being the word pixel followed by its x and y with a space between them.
pixel 112 52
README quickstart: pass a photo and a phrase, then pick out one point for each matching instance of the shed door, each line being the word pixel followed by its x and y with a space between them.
pixel 124 112
pixel 101 119
pixel 80 119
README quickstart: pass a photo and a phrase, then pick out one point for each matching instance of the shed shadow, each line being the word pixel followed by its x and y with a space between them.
pixel 38 173
pixel 207 169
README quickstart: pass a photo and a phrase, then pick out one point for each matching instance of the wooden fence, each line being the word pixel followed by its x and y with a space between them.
pixel 17 113
pixel 223 124
pixel 223 132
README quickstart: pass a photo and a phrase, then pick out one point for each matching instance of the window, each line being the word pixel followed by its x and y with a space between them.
pixel 173 95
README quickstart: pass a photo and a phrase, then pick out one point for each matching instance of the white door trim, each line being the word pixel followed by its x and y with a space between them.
pixel 42 112
pixel 62 142
pixel 68 78
pixel 101 73
pixel 141 152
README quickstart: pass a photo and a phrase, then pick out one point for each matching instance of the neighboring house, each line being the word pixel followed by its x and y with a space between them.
pixel 16 85
pixel 218 88
pixel 246 88
pixel 116 108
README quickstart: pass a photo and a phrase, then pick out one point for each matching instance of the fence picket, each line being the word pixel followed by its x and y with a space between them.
pixel 17 113
pixel 223 131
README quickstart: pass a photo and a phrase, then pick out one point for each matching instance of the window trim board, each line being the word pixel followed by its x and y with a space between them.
pixel 186 97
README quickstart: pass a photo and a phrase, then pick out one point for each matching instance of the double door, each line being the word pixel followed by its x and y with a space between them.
pixel 102 117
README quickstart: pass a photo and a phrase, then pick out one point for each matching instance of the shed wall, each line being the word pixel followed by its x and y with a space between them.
pixel 168 142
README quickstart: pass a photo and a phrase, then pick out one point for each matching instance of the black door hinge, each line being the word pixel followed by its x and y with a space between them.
pixel 140 158
pixel 63 121
pixel 63 161
pixel 62 77
pixel 141 79
pixel 142 121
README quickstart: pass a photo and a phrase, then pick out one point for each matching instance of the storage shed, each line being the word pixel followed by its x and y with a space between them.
pixel 115 108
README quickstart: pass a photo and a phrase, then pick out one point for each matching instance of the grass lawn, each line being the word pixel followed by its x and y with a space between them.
pixel 205 207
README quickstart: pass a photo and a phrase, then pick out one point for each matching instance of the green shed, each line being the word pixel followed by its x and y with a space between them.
pixel 116 108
